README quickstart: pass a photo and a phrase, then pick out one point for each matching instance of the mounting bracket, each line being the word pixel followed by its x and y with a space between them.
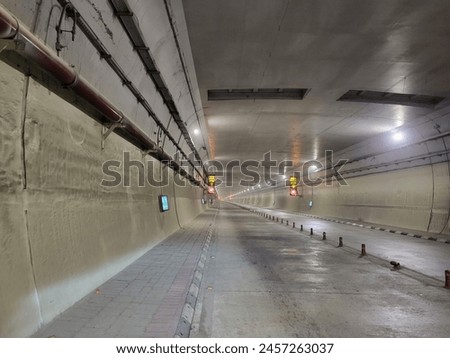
pixel 107 131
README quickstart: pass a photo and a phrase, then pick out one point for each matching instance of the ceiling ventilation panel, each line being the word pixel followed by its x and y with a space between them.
pixel 415 100
pixel 257 93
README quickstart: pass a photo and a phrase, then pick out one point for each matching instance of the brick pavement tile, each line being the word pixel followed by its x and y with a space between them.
pixel 143 300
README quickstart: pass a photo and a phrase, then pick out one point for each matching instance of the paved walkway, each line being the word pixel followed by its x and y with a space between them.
pixel 144 300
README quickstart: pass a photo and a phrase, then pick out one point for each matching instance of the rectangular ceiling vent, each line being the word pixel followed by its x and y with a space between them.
pixel 257 93
pixel 391 98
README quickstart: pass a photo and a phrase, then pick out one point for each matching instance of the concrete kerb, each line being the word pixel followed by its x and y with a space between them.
pixel 363 252
pixel 185 323
pixel 396 232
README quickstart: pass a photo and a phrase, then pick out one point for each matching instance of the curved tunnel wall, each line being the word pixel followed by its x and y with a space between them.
pixel 385 199
pixel 65 234
pixel 402 183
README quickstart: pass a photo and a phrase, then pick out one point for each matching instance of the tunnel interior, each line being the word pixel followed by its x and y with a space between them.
pixel 190 130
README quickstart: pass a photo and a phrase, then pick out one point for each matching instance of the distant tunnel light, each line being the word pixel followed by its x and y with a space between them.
pixel 398 136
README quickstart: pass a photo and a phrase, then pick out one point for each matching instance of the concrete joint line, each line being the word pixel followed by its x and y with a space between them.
pixel 445 241
pixel 184 325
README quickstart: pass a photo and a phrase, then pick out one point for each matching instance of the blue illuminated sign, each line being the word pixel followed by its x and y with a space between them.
pixel 163 203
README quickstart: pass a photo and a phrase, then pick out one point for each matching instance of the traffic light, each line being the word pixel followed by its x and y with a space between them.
pixel 293 186
pixel 211 184
pixel 212 180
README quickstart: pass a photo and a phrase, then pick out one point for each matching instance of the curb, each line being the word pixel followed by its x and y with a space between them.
pixel 187 315
pixel 397 232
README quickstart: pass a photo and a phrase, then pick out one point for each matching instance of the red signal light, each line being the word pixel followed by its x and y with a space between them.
pixel 211 190
pixel 293 192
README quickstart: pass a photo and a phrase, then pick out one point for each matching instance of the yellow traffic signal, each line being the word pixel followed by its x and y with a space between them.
pixel 212 180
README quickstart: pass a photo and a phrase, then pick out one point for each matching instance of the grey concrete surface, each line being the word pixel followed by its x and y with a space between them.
pixel 264 279
pixel 144 300
pixel 427 257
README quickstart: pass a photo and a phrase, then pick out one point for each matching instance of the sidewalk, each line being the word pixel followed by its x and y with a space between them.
pixel 144 300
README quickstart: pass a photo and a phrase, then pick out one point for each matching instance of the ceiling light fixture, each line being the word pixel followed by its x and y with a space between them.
pixel 397 136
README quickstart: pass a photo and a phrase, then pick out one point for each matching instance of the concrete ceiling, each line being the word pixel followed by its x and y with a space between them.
pixel 329 46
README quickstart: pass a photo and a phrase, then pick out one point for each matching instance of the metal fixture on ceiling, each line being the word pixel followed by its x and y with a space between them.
pixel 391 98
pixel 59 30
pixel 257 93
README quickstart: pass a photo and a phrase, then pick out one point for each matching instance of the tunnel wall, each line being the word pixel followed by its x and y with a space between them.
pixel 62 233
pixel 65 234
pixel 403 183
pixel 415 198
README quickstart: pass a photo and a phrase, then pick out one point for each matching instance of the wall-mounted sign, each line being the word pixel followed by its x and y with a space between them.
pixel 163 203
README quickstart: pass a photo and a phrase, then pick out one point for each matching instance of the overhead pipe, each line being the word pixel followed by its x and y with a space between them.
pixel 8 26
pixel 30 47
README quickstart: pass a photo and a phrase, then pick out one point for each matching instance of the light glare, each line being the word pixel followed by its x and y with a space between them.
pixel 397 136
